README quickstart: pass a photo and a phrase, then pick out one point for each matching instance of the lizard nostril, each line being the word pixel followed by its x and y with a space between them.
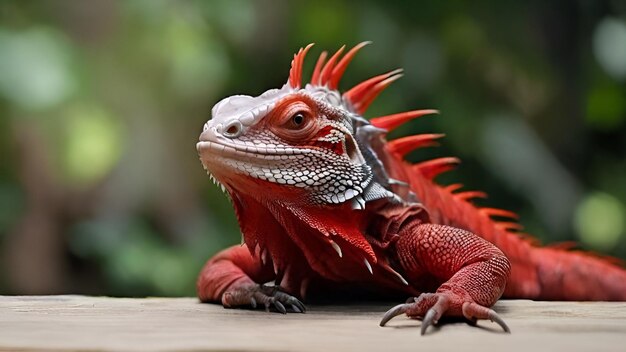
pixel 233 129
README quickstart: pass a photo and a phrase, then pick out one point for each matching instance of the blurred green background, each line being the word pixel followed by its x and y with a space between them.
pixel 101 104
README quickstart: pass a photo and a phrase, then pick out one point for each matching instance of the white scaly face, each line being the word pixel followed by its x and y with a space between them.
pixel 299 138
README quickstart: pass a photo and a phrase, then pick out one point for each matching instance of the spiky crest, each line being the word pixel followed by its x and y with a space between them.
pixel 315 79
pixel 328 67
pixel 467 195
pixel 295 73
pixel 340 68
pixel 431 168
pixel 391 122
pixel 363 94
pixel 495 212
pixel 329 73
pixel 403 146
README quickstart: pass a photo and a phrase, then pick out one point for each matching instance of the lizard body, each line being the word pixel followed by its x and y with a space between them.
pixel 324 200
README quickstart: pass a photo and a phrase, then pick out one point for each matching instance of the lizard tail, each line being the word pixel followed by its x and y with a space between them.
pixel 578 276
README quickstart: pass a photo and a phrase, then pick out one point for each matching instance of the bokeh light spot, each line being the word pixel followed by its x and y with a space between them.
pixel 35 68
pixel 93 143
pixel 599 220
pixel 609 46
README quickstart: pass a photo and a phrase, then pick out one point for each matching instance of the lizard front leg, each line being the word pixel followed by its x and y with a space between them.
pixel 235 278
pixel 473 271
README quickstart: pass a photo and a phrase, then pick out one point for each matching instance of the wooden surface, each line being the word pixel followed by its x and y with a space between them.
pixel 175 324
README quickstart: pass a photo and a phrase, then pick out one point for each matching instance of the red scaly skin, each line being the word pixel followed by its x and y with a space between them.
pixel 325 202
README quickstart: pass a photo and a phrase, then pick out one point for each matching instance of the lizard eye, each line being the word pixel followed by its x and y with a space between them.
pixel 298 119
pixel 293 120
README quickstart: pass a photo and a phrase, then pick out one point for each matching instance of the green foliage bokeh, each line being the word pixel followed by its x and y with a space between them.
pixel 101 104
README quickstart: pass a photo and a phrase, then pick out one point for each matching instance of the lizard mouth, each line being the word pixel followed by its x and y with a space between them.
pixel 219 154
pixel 212 143
pixel 232 151
pixel 227 160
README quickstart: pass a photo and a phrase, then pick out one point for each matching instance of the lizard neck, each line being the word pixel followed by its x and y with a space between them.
pixel 333 242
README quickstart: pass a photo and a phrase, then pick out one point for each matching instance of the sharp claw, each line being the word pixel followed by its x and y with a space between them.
pixel 429 319
pixel 296 302
pixel 280 307
pixel 295 308
pixel 394 312
pixel 494 317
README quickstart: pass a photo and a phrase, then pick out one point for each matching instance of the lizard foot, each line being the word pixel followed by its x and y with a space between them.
pixel 430 307
pixel 254 294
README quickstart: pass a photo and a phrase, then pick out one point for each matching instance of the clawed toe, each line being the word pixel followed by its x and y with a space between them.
pixel 473 312
pixel 292 301
pixel 494 317
pixel 273 297
pixel 394 312
pixel 279 306
pixel 431 317
pixel 266 296
pixel 431 307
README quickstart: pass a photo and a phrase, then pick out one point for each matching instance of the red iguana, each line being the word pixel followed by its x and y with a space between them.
pixel 324 201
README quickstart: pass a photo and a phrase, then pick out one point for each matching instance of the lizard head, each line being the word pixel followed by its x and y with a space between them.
pixel 298 142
